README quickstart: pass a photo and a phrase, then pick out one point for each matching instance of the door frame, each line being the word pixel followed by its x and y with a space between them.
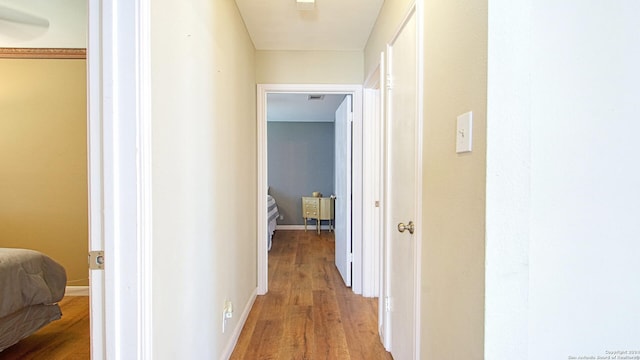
pixel 372 182
pixel 355 91
pixel 119 172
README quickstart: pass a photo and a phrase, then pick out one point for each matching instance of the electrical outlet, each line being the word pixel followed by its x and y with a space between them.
pixel 281 217
pixel 228 309
pixel 227 313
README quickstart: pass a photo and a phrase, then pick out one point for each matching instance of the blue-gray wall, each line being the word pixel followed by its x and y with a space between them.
pixel 301 161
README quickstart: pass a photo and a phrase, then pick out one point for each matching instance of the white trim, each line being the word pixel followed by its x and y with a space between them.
pixel 97 332
pixel 383 315
pixel 262 89
pixel 357 272
pixel 144 189
pixel 233 341
pixel 263 187
pixel 371 174
pixel 145 201
pixel 419 181
pixel 76 291
pixel 120 188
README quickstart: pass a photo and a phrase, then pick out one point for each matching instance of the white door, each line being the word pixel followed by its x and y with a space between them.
pixel 402 192
pixel 342 186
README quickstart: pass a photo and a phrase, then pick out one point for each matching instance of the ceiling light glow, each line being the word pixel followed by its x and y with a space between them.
pixel 306 4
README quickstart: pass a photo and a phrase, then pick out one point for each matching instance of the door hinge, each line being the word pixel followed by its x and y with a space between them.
pixel 389 82
pixel 350 258
pixel 96 260
pixel 387 304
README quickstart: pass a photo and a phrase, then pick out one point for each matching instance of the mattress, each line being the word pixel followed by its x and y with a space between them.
pixel 24 322
pixel 272 216
pixel 31 284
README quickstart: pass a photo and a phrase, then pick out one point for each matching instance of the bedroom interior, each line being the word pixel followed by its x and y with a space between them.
pixel 300 147
pixel 43 149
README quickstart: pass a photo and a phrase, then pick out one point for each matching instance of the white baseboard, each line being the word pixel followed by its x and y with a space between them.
pixel 76 291
pixel 233 341
pixel 301 227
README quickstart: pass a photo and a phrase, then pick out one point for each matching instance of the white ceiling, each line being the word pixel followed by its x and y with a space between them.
pixel 331 25
pixel 67 24
pixel 297 107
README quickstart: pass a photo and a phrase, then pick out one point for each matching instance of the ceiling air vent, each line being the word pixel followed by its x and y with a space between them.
pixel 315 97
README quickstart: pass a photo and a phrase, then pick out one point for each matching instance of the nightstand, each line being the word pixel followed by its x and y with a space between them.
pixel 318 208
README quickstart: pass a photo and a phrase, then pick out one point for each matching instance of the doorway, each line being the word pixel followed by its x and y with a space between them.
pixel 355 92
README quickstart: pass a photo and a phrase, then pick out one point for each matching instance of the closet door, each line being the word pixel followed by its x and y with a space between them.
pixel 343 131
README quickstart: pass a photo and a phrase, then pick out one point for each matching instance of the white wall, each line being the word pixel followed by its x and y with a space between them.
pixel 67 24
pixel 508 179
pixel 585 191
pixel 204 175
pixel 579 112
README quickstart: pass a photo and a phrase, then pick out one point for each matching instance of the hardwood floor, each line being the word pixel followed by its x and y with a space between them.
pixel 67 338
pixel 309 313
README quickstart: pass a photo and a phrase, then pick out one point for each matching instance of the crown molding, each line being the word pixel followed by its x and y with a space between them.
pixel 43 53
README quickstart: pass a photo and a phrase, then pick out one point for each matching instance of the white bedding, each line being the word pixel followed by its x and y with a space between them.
pixel 272 216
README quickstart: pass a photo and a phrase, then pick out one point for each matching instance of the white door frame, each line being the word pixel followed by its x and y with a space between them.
pixel 119 161
pixel 372 184
pixel 356 92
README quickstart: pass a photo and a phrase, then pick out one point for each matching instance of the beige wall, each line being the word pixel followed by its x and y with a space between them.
pixel 452 310
pixel 455 81
pixel 388 22
pixel 43 152
pixel 309 67
pixel 204 175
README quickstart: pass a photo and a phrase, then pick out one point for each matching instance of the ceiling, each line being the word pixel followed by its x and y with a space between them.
pixel 331 25
pixel 43 23
pixel 272 24
pixel 298 107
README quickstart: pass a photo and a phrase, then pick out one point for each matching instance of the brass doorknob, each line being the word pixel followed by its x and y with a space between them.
pixel 410 227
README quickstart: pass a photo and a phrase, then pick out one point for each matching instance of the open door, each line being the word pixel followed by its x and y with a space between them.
pixel 342 186
pixel 403 195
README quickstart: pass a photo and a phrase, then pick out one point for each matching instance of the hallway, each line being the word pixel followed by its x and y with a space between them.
pixel 308 312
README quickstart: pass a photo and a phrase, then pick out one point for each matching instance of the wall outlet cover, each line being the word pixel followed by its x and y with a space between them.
pixel 464 133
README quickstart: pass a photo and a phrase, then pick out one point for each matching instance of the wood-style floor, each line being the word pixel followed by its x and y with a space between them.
pixel 308 312
pixel 67 338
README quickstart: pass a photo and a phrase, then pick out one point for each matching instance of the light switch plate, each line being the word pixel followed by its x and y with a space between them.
pixel 464 132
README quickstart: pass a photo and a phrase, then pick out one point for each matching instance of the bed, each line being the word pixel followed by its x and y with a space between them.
pixel 31 284
pixel 272 216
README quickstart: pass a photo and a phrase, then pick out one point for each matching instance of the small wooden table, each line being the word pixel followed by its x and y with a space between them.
pixel 318 208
